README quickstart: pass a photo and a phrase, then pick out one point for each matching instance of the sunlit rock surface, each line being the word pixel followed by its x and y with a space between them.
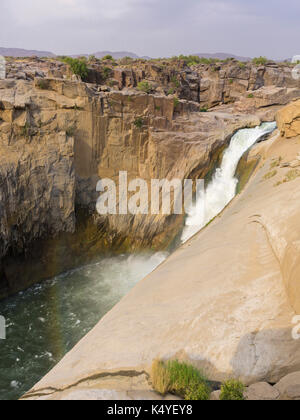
pixel 222 301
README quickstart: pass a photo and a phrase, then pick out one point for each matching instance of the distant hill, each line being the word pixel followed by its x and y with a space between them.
pixel 18 52
pixel 116 55
pixel 223 56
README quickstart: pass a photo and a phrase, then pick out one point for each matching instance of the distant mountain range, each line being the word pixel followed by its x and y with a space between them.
pixel 17 52
pixel 223 56
pixel 116 55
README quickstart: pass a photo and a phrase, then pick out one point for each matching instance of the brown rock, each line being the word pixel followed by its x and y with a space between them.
pixel 261 391
pixel 288 120
pixel 215 396
pixel 289 386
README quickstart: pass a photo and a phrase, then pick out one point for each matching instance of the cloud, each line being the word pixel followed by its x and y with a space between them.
pixel 152 27
pixel 36 11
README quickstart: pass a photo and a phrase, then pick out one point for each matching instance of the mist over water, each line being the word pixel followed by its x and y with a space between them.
pixel 222 189
pixel 48 320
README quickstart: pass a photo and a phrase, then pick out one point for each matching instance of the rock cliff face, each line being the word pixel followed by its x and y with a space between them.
pixel 59 136
pixel 234 318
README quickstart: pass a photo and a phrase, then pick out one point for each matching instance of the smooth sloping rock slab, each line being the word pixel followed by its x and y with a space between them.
pixel 221 301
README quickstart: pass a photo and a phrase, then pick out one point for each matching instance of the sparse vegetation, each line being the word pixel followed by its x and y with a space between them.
pixel 291 175
pixel 108 57
pixel 203 109
pixel 192 60
pixel 175 82
pixel 112 83
pixel 270 175
pixel 77 65
pixel 144 86
pixel 160 377
pixel 25 130
pixel 70 131
pixel 260 61
pixel 180 379
pixel 276 163
pixel 232 390
pixel 176 102
pixel 250 96
pixel 42 84
pixel 139 122
pixel 106 71
pixel 198 392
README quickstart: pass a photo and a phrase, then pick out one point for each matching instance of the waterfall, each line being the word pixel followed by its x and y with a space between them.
pixel 222 189
pixel 47 320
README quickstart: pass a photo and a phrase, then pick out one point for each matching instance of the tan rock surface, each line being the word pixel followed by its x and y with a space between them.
pixel 261 391
pixel 288 120
pixel 215 396
pixel 219 301
pixel 289 386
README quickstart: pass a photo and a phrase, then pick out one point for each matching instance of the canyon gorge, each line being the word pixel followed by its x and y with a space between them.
pixel 224 300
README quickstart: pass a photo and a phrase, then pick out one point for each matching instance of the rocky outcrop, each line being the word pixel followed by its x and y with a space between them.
pixel 93 131
pixel 58 137
pixel 231 319
pixel 268 96
pixel 288 120
pixel 208 84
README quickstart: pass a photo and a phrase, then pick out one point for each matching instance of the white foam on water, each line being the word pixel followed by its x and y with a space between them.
pixel 222 189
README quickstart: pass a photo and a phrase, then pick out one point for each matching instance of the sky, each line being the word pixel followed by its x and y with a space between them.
pixel 156 28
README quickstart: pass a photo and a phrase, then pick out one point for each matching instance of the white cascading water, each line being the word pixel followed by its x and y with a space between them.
pixel 222 189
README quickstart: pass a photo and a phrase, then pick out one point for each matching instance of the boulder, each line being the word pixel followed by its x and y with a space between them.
pixel 261 391
pixel 289 387
pixel 215 396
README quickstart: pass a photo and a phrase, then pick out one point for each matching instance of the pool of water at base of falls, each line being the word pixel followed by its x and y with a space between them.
pixel 46 321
